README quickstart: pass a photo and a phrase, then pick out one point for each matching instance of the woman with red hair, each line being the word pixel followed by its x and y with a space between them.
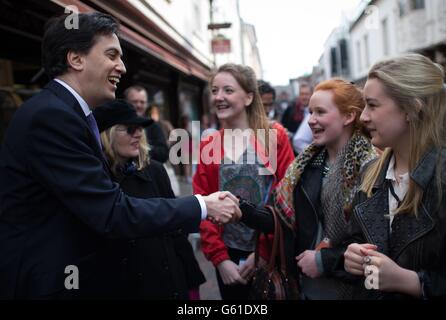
pixel 315 196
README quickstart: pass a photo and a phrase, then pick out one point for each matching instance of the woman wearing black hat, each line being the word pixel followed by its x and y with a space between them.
pixel 161 267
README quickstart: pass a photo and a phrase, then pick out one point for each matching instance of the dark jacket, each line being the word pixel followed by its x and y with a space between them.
pixel 159 267
pixel 415 243
pixel 58 204
pixel 159 150
pixel 308 215
pixel 290 119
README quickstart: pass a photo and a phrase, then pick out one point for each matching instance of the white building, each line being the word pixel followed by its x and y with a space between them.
pixel 184 21
pixel 242 36
pixel 382 29
pixel 373 35
pixel 250 51
pixel 335 60
pixel 227 11
pixel 387 28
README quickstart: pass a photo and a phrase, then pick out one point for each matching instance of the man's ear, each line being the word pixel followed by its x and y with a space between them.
pixel 75 60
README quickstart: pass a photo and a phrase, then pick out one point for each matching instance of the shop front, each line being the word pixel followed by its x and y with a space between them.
pixel 174 78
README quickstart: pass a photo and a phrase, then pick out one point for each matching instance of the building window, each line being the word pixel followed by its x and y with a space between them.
pixel 344 56
pixel 334 62
pixel 366 51
pixel 405 6
pixel 416 4
pixel 385 35
pixel 358 56
pixel 402 7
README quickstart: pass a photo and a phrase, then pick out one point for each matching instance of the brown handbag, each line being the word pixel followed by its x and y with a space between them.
pixel 272 281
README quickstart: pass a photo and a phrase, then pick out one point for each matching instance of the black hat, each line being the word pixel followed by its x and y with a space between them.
pixel 118 112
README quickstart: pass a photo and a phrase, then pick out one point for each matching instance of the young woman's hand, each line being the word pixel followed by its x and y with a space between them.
pixel 247 269
pixel 391 277
pixel 354 258
pixel 307 262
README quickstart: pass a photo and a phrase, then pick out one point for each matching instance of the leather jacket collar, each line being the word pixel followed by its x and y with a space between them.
pixel 373 212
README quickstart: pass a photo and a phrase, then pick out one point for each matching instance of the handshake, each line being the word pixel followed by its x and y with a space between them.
pixel 222 207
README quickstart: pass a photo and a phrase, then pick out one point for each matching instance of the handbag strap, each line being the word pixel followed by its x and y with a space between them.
pixel 280 243
pixel 277 247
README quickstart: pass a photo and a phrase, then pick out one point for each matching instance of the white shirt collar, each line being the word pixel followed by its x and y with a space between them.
pixel 390 175
pixel 82 103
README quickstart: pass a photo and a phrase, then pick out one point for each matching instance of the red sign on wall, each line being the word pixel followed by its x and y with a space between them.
pixel 221 45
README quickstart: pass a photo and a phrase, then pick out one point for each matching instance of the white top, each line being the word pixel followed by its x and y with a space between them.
pixel 303 136
pixel 87 111
pixel 400 187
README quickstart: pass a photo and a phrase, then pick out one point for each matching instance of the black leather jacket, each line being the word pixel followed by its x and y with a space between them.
pixel 416 243
pixel 308 215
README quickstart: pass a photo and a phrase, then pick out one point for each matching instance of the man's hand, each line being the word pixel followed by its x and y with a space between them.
pixel 222 207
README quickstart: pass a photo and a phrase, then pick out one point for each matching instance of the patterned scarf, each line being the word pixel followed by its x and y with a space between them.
pixel 356 153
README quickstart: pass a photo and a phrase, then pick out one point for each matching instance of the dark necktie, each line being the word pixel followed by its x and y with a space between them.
pixel 94 127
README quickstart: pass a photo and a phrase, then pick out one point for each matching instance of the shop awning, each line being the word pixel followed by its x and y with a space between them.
pixel 182 64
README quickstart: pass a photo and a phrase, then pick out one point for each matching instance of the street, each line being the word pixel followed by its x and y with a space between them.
pixel 208 290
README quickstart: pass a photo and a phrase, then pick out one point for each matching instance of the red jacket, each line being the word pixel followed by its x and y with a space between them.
pixel 206 181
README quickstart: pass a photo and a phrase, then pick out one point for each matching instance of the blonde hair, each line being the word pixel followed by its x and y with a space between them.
pixel 416 85
pixel 107 139
pixel 246 78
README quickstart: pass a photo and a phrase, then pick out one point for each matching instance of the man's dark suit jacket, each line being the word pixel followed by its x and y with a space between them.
pixel 58 203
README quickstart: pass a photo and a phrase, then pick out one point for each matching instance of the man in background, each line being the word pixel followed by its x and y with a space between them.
pixel 138 97
pixel 268 96
pixel 295 113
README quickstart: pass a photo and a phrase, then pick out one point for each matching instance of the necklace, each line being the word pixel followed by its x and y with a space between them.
pixel 325 170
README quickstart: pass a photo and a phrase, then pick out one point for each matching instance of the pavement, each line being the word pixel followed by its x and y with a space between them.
pixel 209 289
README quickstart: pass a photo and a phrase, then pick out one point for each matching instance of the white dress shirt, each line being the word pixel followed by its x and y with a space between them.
pixel 400 187
pixel 85 108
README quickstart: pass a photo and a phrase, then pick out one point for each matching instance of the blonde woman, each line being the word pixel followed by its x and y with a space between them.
pixel 158 267
pixel 400 213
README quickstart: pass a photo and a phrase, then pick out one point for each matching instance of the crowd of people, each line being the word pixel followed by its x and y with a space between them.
pixel 358 181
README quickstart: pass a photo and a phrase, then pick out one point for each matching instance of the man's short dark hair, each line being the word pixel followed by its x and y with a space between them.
pixel 265 87
pixel 59 40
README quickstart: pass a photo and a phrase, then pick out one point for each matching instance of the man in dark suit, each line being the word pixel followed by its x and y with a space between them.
pixel 57 201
